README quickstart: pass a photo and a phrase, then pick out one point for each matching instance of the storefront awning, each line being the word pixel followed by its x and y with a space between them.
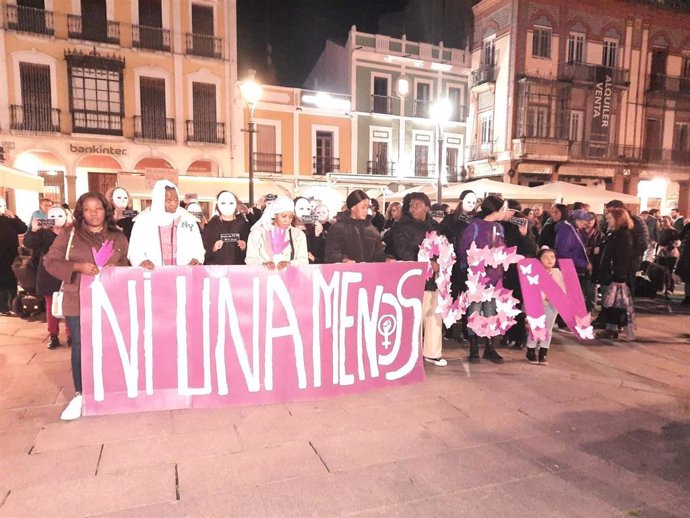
pixel 11 178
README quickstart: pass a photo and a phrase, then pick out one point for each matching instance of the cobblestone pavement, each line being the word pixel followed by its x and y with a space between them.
pixel 604 430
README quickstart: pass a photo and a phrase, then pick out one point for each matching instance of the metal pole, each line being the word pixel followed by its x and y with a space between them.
pixel 251 132
pixel 440 165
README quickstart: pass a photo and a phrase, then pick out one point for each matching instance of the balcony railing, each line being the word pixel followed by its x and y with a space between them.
pixel 380 104
pixel 421 108
pixel 459 113
pixel 587 73
pixel 268 163
pixel 206 132
pixel 325 164
pixel 381 167
pixel 481 151
pixel 424 170
pixel 485 74
pixel 97 123
pixel 93 32
pixel 204 45
pixel 30 19
pixel 154 38
pixel 669 84
pixel 667 156
pixel 618 152
pixel 455 174
pixel 37 118
pixel 154 128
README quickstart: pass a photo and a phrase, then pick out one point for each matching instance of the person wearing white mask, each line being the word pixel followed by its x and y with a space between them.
pixel 273 241
pixel 10 228
pixel 122 208
pixel 40 239
pixel 225 236
pixel 165 234
pixel 312 228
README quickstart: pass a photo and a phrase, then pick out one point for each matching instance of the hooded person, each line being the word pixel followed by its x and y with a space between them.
pixel 273 241
pixel 225 235
pixel 165 234
pixel 40 239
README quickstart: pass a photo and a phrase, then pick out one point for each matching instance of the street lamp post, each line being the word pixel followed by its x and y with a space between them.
pixel 440 112
pixel 251 93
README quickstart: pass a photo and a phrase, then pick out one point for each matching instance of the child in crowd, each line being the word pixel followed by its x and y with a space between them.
pixel 548 259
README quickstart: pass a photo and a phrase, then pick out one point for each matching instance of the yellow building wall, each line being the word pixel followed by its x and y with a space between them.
pixel 307 123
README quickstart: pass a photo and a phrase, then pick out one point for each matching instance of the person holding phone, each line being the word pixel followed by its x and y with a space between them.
pixel 225 235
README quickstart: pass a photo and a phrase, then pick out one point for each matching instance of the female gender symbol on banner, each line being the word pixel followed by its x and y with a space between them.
pixel 387 326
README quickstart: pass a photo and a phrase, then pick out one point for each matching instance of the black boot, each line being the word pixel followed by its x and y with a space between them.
pixel 532 354
pixel 474 350
pixel 53 342
pixel 542 356
pixel 490 352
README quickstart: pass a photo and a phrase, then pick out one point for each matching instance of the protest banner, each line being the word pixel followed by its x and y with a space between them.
pixel 208 336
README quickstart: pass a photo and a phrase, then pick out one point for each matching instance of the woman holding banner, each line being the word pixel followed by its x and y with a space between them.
pixel 352 238
pixel 225 236
pixel 273 241
pixel 94 242
pixel 165 234
pixel 408 235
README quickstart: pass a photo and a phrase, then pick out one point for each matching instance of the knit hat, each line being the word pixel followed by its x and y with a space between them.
pixel 581 214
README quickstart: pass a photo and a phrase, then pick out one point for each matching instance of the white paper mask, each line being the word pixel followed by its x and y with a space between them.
pixel 120 198
pixel 469 202
pixel 59 215
pixel 194 207
pixel 321 212
pixel 3 205
pixel 227 204
pixel 302 208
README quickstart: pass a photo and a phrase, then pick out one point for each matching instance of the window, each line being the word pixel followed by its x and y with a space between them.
pixel 323 161
pixel 380 102
pixel 488 53
pixel 541 42
pixel 96 100
pixel 153 124
pixel 576 48
pixel 538 122
pixel 36 112
pixel 685 67
pixel 485 128
pixel 608 57
pixel 681 143
pixel 422 99
pixel 455 97
pixel 205 126
pixel 266 160
pixel 379 163
pixel 575 126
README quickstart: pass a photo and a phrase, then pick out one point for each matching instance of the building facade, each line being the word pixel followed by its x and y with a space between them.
pixel 394 84
pixel 91 90
pixel 596 93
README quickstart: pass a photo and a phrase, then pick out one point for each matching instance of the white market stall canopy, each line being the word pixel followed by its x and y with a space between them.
pixel 11 178
pixel 565 192
pixel 481 188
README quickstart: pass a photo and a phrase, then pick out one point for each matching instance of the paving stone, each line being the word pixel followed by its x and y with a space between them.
pixel 17 442
pixel 23 470
pixel 103 429
pixel 202 475
pixel 35 417
pixel 89 495
pixel 168 448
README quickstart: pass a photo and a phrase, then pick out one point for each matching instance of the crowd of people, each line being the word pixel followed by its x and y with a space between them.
pixel 610 252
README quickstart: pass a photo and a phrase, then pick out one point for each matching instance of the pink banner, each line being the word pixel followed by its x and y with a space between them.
pixel 208 336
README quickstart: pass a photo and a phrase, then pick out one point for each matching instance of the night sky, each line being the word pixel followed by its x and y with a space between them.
pixel 297 30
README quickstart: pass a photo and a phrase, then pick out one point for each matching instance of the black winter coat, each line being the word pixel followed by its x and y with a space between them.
pixel 230 253
pixel 408 234
pixel 548 234
pixel 453 227
pixel 617 256
pixel 40 242
pixel 10 228
pixel 354 239
pixel 683 265
pixel 525 246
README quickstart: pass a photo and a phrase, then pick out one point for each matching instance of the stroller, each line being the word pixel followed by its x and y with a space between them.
pixel 27 305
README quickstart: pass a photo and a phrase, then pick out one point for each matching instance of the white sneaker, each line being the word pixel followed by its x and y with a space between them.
pixel 74 409
pixel 439 362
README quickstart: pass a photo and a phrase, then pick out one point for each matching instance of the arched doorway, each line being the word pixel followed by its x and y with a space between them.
pixel 98 173
pixel 152 163
pixel 203 168
pixel 47 165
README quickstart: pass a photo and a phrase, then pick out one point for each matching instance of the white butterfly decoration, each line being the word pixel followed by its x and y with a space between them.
pixel 507 308
pixel 526 270
pixel 537 323
pixel 533 279
pixel 586 333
